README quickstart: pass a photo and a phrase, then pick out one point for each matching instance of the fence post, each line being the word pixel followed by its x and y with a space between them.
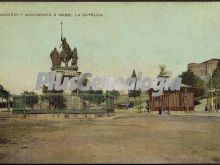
pixel 8 102
pixel 24 104
pixel 140 103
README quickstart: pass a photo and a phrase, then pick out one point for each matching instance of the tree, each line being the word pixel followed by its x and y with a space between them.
pixel 216 77
pixel 216 83
pixel 55 98
pixel 4 94
pixel 113 93
pixel 93 96
pixel 201 87
pixel 1 91
pixel 30 98
pixel 163 74
pixel 134 93
pixel 189 78
pixel 163 71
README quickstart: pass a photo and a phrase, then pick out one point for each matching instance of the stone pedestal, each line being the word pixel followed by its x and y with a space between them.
pixel 70 71
pixel 72 102
pixel 66 71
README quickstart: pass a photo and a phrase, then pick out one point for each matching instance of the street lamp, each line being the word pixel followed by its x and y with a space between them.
pixel 210 73
pixel 212 93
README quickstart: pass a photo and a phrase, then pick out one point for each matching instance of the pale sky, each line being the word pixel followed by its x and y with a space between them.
pixel 129 36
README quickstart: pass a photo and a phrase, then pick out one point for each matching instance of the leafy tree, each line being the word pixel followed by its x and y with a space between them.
pixel 30 98
pixel 216 84
pixel 201 88
pixel 163 71
pixel 113 93
pixel 55 98
pixel 216 77
pixel 93 96
pixel 189 78
pixel 3 92
pixel 134 93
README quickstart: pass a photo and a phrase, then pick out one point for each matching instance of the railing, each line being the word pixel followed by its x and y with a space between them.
pixel 63 103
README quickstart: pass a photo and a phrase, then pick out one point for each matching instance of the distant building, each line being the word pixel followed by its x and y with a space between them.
pixel 205 68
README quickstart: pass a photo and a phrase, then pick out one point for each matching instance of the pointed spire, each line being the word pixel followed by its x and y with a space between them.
pixel 61 30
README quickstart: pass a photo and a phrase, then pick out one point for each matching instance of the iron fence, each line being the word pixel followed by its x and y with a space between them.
pixel 126 102
pixel 63 103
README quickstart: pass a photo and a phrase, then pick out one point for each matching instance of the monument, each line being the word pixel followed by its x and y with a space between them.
pixel 64 63
pixel 67 56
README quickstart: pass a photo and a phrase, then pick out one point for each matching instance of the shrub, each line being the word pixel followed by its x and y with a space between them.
pixel 197 102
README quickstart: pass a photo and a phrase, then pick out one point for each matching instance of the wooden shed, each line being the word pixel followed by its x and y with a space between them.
pixel 182 100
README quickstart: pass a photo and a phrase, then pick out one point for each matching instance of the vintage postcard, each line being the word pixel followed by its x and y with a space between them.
pixel 109 82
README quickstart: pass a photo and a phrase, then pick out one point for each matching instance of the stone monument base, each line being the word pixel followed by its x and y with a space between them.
pixel 70 71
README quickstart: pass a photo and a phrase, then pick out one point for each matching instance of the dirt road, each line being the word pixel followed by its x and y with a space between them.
pixel 127 138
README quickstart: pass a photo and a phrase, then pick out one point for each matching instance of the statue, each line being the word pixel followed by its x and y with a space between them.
pixel 55 58
pixel 74 57
pixel 65 45
pixel 65 55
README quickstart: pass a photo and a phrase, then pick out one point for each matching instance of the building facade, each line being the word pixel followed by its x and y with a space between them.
pixel 204 69
pixel 182 100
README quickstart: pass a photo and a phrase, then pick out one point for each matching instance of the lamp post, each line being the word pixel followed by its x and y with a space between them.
pixel 211 94
pixel 210 74
pixel 216 100
pixel 9 98
pixel 185 100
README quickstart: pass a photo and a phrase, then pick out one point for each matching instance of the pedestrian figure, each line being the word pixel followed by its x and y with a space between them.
pixel 206 107
pixel 160 110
